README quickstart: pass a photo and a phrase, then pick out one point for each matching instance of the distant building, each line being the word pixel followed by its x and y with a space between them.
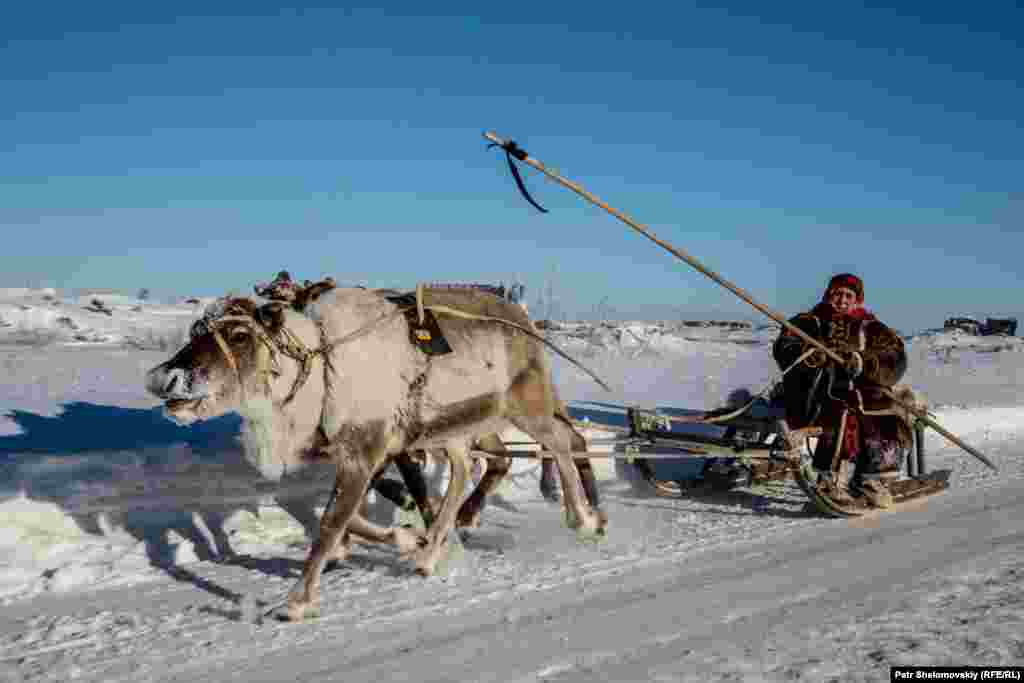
pixel 964 324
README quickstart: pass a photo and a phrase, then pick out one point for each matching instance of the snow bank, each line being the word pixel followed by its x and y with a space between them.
pixel 40 318
pixel 37 317
pixel 947 341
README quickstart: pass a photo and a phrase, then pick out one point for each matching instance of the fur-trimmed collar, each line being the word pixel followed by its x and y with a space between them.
pixel 824 311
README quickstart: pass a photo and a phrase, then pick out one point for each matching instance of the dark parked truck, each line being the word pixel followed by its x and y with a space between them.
pixel 1007 326
pixel 1001 326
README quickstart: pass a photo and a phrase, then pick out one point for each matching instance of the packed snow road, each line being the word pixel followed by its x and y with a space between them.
pixel 713 587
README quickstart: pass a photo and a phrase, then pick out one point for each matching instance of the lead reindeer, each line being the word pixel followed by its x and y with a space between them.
pixel 341 381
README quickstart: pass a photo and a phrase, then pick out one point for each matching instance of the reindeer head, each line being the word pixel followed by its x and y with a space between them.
pixel 230 358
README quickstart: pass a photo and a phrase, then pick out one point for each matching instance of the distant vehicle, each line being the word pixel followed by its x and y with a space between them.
pixel 1005 326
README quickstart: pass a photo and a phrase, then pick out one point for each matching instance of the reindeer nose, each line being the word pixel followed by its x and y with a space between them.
pixel 167 383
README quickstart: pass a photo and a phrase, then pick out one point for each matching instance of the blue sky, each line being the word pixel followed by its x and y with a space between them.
pixel 195 150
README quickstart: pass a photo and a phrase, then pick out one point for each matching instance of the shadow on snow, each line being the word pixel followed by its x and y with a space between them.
pixel 133 469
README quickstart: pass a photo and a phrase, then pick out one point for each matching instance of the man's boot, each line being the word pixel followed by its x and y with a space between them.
pixel 828 488
pixel 876 493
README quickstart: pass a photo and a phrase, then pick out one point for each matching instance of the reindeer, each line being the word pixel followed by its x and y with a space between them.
pixel 342 382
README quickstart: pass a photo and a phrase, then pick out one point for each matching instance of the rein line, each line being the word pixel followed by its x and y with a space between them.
pixel 759 395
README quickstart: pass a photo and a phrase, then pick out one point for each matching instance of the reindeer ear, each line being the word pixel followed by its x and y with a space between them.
pixel 271 315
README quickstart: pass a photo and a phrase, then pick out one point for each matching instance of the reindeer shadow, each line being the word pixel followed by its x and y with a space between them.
pixel 83 427
pixel 66 459
pixel 131 469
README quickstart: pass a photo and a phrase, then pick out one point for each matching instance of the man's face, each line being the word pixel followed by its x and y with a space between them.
pixel 842 299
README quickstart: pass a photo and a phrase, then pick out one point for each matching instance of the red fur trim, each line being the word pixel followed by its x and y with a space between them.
pixel 851 437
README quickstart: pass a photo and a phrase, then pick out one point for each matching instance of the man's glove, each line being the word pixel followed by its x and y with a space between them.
pixel 816 359
pixel 854 364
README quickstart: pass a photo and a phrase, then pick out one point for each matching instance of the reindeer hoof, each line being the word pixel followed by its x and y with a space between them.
pixel 425 562
pixel 299 611
pixel 413 552
pixel 593 526
pixel 551 495
pixel 426 559
pixel 408 541
pixel 587 535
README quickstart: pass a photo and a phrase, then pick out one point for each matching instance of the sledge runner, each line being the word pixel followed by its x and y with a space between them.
pixel 841 398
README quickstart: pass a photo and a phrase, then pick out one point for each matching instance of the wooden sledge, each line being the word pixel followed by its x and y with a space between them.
pixel 737 447
pixel 767 450
pixel 729 448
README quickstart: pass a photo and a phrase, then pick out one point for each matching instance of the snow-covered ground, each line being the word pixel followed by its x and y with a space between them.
pixel 115 525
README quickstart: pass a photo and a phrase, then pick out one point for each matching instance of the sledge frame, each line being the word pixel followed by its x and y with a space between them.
pixel 756 435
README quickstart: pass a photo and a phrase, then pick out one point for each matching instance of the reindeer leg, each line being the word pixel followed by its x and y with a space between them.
pixel 581 517
pixel 548 484
pixel 302 509
pixel 406 541
pixel 497 468
pixel 577 444
pixel 353 478
pixel 412 475
pixel 556 437
pixel 393 490
pixel 426 558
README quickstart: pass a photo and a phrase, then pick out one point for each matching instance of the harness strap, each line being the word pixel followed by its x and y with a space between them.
pixel 229 356
pixel 327 347
pixel 300 352
pixel 761 394
pixel 454 312
pixel 419 303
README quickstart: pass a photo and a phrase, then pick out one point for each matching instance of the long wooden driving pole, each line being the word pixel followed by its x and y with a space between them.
pixel 683 256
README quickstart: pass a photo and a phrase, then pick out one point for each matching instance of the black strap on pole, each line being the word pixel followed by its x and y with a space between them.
pixel 513 150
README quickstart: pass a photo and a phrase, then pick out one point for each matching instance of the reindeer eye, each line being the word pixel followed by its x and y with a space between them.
pixel 239 335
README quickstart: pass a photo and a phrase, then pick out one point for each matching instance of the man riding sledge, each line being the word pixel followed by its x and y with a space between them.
pixel 842 399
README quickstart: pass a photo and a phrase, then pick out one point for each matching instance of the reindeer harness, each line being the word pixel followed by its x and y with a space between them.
pixel 286 342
